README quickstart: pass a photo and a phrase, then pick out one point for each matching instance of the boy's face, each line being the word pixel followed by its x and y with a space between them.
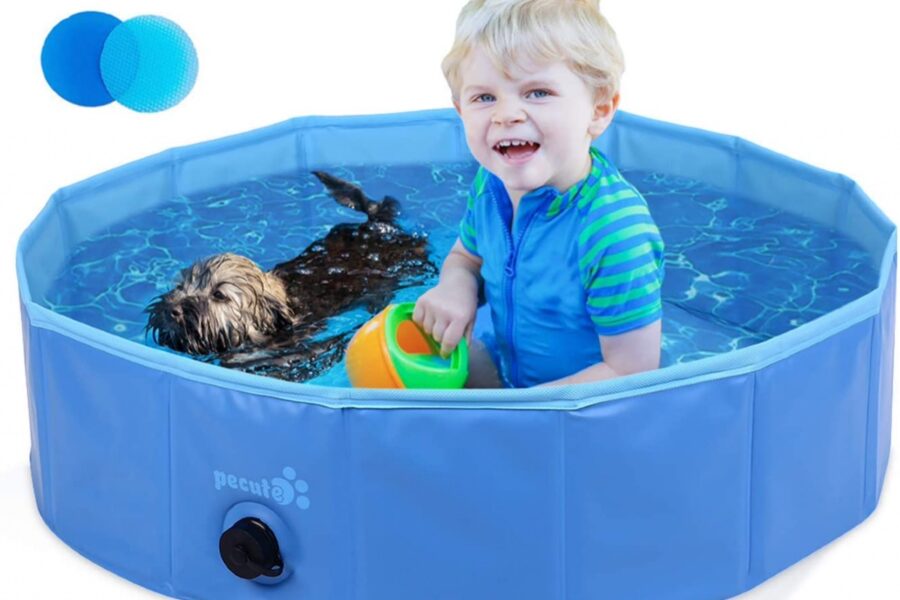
pixel 546 105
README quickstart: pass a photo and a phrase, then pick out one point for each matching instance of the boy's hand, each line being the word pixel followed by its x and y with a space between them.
pixel 447 313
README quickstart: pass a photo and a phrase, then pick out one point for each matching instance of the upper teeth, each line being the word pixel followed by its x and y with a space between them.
pixel 505 143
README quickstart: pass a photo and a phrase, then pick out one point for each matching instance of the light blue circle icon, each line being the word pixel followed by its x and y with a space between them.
pixel 148 64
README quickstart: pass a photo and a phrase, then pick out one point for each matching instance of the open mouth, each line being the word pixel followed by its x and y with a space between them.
pixel 516 150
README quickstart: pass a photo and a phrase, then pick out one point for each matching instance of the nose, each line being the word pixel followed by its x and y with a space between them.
pixel 508 111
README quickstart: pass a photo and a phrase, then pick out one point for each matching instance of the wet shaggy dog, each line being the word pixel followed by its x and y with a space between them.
pixel 226 309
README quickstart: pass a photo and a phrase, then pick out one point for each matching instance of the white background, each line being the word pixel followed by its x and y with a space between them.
pixel 816 80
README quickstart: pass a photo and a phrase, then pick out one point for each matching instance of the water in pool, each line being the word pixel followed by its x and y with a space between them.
pixel 737 272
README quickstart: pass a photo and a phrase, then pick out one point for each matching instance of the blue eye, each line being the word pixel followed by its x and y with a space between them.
pixel 540 93
pixel 479 97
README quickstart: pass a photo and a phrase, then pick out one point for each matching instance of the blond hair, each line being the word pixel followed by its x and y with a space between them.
pixel 572 31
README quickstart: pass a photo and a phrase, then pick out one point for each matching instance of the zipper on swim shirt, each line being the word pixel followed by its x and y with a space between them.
pixel 509 271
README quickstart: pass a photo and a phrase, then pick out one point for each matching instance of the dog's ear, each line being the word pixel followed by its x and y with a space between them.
pixel 281 313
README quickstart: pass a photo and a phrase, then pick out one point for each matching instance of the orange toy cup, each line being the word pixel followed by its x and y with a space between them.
pixel 391 351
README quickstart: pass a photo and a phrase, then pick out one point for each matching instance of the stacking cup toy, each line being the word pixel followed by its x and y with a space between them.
pixel 391 351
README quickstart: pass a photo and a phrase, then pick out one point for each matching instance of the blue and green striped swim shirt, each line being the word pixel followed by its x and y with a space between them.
pixel 571 267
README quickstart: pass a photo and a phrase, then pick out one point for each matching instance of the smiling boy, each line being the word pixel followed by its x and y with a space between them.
pixel 571 260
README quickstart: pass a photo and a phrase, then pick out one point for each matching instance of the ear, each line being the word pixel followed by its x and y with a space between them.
pixel 604 111
pixel 281 315
pixel 456 106
pixel 274 303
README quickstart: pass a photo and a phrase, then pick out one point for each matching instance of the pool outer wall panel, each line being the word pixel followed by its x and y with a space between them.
pixel 664 495
pixel 809 448
pixel 103 456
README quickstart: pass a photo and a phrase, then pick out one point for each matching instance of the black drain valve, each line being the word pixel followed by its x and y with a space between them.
pixel 250 549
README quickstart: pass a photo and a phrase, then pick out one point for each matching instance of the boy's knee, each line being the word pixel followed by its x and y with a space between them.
pixel 483 372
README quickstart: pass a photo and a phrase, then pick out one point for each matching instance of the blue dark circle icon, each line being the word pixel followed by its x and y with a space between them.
pixel 70 58
pixel 148 64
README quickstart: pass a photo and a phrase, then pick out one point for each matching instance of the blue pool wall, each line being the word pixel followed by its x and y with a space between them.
pixel 695 481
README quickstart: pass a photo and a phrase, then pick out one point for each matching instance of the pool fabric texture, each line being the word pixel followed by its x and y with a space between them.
pixel 699 480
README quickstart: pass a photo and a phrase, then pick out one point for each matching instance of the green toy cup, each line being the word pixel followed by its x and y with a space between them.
pixel 391 351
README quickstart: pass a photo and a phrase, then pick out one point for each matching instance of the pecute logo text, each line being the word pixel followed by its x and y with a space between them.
pixel 284 490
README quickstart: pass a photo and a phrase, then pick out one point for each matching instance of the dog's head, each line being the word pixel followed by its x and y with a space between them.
pixel 219 304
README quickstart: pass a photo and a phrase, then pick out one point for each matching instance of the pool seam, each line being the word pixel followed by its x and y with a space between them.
pixel 354 533
pixel 867 455
pixel 47 478
pixel 171 484
pixel 562 559
pixel 750 480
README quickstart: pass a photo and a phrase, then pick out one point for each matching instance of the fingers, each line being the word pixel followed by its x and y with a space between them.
pixel 451 337
pixel 424 316
pixel 444 322
pixel 428 323
pixel 439 330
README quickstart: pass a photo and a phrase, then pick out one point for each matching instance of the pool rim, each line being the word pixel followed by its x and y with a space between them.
pixel 568 397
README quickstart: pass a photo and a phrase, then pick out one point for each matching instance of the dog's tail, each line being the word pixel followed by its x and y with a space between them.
pixel 351 196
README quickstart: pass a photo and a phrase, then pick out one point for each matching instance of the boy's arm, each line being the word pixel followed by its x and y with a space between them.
pixel 630 352
pixel 621 262
pixel 460 262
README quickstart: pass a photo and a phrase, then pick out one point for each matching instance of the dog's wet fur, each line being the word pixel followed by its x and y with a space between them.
pixel 226 309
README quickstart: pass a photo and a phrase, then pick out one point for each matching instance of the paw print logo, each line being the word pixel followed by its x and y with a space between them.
pixel 284 491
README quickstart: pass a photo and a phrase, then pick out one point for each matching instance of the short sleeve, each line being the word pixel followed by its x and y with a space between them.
pixel 468 232
pixel 621 264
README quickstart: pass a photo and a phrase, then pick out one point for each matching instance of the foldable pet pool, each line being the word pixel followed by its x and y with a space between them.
pixel 764 436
